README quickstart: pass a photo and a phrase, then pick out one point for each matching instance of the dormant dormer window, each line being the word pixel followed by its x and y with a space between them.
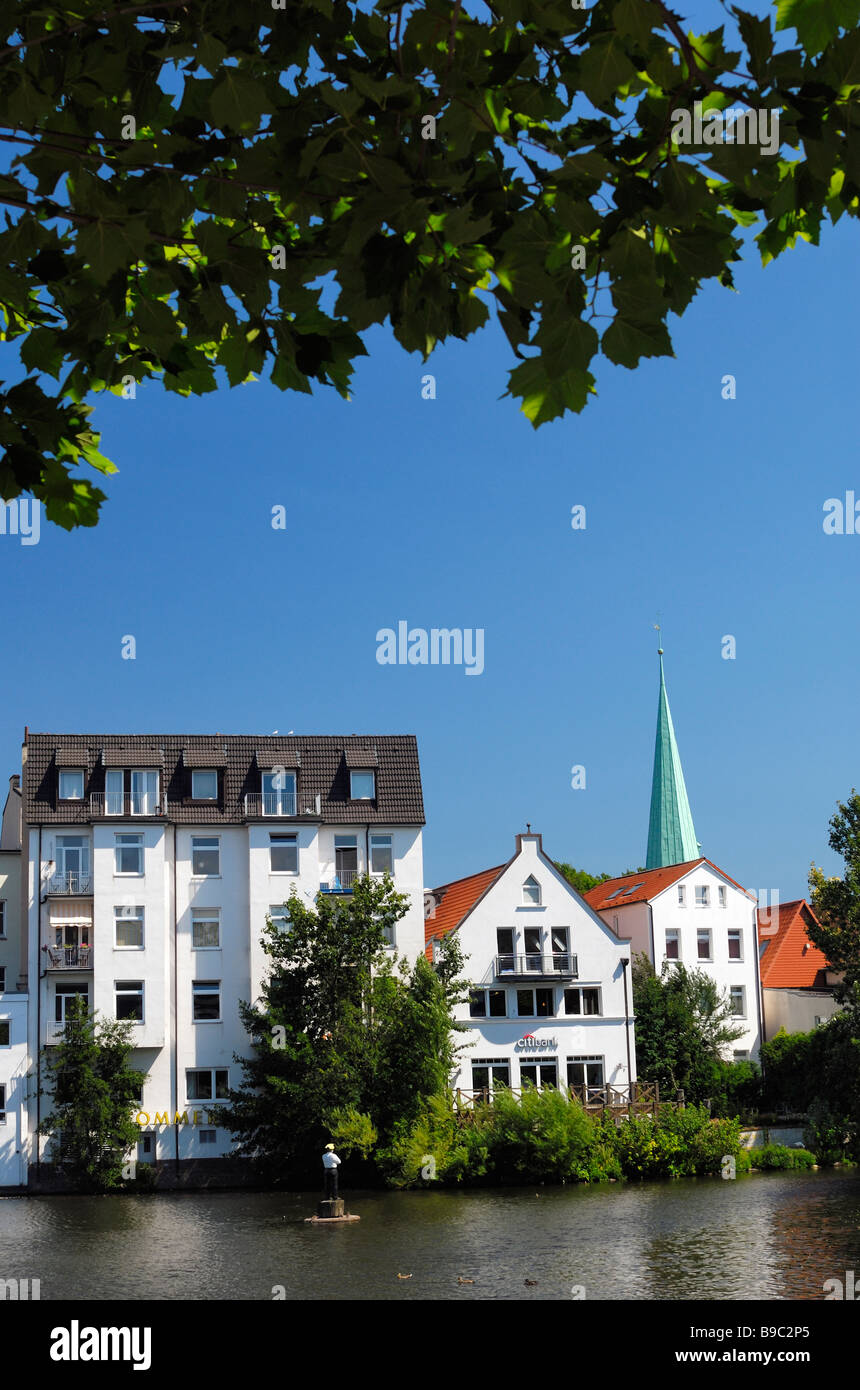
pixel 71 784
pixel 204 784
pixel 362 785
pixel 531 892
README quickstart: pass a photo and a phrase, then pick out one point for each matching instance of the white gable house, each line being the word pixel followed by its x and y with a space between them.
pixel 552 1002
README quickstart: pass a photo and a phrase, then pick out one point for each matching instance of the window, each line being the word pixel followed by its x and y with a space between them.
pixel 585 1071
pixel 205 928
pixel 73 856
pixel 682 895
pixel 488 1003
pixel 539 1073
pixel 505 947
pixel 146 1145
pixel 284 854
pixel 114 779
pixel 128 928
pixel 280 915
pixel 362 786
pixel 2 916
pixel 535 1003
pixel 207 1136
pixel 208 1083
pixel 531 892
pixel 128 854
pixel 721 894
pixel 559 944
pixel 5 1038
pixel 144 793
pixel 673 943
pixel 381 856
pixel 63 999
pixel 703 895
pixel 129 1000
pixel 735 943
pixel 70 936
pixel 740 1056
pixel 205 856
pixel 345 860
pixel 2 979
pixel 206 1001
pixel 703 944
pixel 488 1073
pixel 582 1001
pixel 737 995
pixel 71 786
pixel 2 1105
pixel 204 786
pixel 531 942
pixel 279 793
pixel 817 1020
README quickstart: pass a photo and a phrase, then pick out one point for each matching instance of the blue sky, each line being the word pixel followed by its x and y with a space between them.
pixel 454 512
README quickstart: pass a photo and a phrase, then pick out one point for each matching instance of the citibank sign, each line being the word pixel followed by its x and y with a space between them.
pixel 532 1044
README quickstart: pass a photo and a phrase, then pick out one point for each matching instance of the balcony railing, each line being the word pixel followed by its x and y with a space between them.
pixel 121 806
pixel 270 804
pixel 71 883
pixel 558 964
pixel 341 883
pixel 69 957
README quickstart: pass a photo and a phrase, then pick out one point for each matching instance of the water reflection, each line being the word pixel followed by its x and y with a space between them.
pixel 768 1236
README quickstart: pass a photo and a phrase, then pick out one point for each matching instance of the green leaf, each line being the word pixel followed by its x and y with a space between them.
pixel 626 342
pixel 544 399
pixel 817 21
pixel 604 67
pixel 238 100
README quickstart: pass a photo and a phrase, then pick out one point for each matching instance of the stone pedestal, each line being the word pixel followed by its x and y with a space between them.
pixel 330 1207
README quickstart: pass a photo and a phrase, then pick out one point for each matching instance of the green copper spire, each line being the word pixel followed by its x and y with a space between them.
pixel 671 837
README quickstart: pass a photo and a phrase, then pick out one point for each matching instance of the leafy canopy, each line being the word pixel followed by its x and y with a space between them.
pixel 683 1026
pixel 196 185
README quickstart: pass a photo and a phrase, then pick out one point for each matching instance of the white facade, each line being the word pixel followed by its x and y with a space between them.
pixel 13 1090
pixel 161 922
pixel 554 972
pixel 796 1010
pixel 706 922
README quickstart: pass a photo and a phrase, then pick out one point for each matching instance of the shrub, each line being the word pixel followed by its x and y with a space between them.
pixel 779 1156
pixel 826 1133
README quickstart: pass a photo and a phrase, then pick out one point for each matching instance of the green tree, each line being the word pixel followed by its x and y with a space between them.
pixel 346 1040
pixel 683 1025
pixel 581 879
pixel 94 1096
pixel 189 177
pixel 836 903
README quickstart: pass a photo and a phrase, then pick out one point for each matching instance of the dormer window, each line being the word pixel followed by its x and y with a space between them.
pixel 279 793
pixel 204 785
pixel 531 892
pixel 71 785
pixel 362 786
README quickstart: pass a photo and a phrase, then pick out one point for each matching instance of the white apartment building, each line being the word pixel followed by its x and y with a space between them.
pixel 13 1001
pixel 552 1003
pixel 696 915
pixel 151 863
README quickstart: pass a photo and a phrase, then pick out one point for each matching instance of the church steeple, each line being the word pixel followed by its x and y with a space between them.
pixel 671 836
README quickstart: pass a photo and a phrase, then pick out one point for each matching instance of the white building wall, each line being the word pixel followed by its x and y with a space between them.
pixel 738 914
pixel 796 1010
pixel 13 1078
pixel 599 954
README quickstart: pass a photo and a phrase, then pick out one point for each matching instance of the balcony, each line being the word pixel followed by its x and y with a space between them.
pixel 270 804
pixel 558 965
pixel 121 807
pixel 69 957
pixel 70 884
pixel 341 883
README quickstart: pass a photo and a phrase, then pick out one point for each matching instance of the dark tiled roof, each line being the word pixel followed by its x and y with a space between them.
pixel 321 760
pixel 361 757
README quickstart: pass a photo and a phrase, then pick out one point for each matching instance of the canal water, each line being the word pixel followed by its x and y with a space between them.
pixel 768 1235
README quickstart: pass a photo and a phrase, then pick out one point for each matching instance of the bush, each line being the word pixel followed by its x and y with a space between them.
pixel 779 1156
pixel 826 1133
pixel 677 1144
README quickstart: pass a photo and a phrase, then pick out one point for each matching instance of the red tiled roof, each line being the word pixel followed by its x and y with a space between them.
pixel 646 885
pixel 790 960
pixel 457 900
